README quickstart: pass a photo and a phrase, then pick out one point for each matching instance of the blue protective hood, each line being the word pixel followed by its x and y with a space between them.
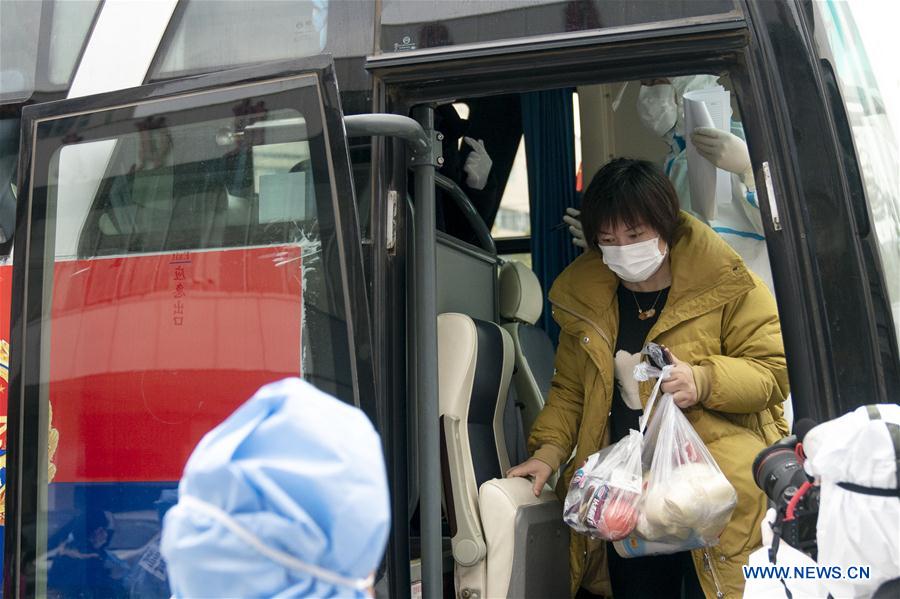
pixel 304 473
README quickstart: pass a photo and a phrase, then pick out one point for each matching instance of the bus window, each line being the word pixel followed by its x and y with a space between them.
pixel 25 27
pixel 419 24
pixel 512 225
pixel 222 184
pixel 191 253
pixel 208 35
pixel 513 218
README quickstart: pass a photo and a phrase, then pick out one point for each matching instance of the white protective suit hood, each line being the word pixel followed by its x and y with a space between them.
pixel 288 497
pixel 855 457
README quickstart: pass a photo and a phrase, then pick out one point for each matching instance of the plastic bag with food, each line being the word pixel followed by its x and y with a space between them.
pixel 604 493
pixel 686 501
pixel 687 494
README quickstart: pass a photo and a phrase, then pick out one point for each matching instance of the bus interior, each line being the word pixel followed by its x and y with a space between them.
pixel 546 145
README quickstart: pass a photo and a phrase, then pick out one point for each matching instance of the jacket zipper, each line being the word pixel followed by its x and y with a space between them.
pixel 587 320
pixel 712 570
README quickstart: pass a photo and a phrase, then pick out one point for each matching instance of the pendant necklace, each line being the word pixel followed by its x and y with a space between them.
pixel 649 312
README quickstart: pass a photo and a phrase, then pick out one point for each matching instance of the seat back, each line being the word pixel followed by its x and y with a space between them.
pixel 521 303
pixel 475 364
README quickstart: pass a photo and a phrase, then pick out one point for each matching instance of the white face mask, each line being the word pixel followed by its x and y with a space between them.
pixel 656 107
pixel 635 262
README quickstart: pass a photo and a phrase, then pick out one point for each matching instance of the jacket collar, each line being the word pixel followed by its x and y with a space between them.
pixel 706 273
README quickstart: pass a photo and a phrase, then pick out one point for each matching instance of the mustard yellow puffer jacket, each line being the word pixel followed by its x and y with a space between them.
pixel 721 319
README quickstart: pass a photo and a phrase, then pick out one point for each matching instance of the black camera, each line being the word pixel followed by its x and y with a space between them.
pixel 778 471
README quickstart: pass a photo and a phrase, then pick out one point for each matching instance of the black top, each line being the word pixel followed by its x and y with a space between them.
pixel 671 576
pixel 632 336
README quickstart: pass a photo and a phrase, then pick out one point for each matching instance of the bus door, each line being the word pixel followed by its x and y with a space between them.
pixel 833 162
pixel 178 245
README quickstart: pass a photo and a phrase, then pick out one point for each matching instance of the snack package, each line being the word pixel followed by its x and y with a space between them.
pixel 634 546
pixel 605 492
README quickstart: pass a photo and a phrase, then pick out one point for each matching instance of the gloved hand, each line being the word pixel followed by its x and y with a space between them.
pixel 726 150
pixel 478 164
pixel 572 217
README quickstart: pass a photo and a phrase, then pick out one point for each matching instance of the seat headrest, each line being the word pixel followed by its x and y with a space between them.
pixel 521 297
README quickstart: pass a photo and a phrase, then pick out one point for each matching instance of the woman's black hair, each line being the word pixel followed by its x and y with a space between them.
pixel 631 191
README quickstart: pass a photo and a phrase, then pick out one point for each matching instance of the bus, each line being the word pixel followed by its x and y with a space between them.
pixel 200 197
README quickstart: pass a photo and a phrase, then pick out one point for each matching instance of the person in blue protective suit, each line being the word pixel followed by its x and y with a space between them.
pixel 288 497
pixel 660 109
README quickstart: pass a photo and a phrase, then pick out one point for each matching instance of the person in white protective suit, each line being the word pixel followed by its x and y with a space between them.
pixel 856 461
pixel 288 497
pixel 660 109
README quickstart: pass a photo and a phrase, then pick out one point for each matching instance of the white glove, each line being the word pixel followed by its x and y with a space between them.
pixel 572 217
pixel 726 150
pixel 478 164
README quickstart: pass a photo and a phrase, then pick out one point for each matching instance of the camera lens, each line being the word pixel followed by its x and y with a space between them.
pixel 776 469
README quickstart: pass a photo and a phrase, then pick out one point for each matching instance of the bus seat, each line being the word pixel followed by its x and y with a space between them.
pixel 521 548
pixel 521 303
pixel 527 542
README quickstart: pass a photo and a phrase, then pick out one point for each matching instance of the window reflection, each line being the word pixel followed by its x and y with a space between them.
pixel 191 257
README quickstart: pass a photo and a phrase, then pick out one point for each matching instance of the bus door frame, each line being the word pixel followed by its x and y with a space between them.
pixel 729 43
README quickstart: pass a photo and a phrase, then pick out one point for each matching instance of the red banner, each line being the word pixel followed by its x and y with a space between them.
pixel 148 353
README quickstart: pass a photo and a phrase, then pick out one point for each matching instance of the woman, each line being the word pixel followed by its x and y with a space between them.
pixel 658 274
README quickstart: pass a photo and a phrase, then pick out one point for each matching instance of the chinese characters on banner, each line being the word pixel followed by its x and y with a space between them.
pixel 179 264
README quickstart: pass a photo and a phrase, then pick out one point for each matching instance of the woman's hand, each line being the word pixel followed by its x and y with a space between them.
pixel 680 383
pixel 534 469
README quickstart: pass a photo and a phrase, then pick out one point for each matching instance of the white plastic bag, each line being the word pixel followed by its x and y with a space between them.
pixel 687 496
pixel 686 500
pixel 604 493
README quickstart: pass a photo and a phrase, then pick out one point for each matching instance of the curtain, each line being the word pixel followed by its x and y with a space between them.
pixel 549 128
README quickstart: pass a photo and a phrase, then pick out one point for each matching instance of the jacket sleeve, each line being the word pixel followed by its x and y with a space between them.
pixel 554 433
pixel 751 376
